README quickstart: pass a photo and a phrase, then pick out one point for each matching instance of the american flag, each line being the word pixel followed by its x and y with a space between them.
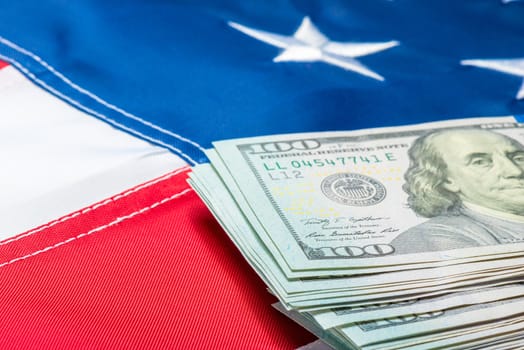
pixel 106 105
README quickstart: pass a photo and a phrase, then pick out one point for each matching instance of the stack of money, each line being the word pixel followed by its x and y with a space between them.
pixel 395 238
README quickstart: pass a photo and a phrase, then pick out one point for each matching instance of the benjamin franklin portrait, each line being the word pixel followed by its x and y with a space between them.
pixel 470 183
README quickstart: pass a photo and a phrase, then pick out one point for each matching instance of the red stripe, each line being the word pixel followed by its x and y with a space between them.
pixel 154 271
pixel 3 64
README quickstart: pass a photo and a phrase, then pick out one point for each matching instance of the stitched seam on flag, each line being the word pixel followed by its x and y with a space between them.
pixel 98 229
pixel 95 97
pixel 94 206
pixel 90 111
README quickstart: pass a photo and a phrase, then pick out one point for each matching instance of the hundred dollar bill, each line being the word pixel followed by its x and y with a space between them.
pixel 460 337
pixel 466 337
pixel 325 300
pixel 346 315
pixel 292 291
pixel 374 333
pixel 513 342
pixel 463 338
pixel 225 200
pixel 382 197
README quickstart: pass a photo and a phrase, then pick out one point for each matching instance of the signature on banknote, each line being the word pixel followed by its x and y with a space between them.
pixel 346 228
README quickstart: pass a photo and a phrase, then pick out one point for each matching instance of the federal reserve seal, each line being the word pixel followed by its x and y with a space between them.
pixel 353 189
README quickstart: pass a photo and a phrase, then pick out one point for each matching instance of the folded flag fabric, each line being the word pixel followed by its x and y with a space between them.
pixel 184 74
pixel 120 252
pixel 147 268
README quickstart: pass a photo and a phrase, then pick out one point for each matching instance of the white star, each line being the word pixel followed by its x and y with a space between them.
pixel 308 44
pixel 509 66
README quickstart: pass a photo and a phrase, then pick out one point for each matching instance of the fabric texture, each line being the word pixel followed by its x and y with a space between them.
pixel 56 159
pixel 177 74
pixel 148 268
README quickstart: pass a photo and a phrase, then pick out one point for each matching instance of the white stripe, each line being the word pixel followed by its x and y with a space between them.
pixel 90 111
pixel 55 159
pixel 93 207
pixel 95 97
